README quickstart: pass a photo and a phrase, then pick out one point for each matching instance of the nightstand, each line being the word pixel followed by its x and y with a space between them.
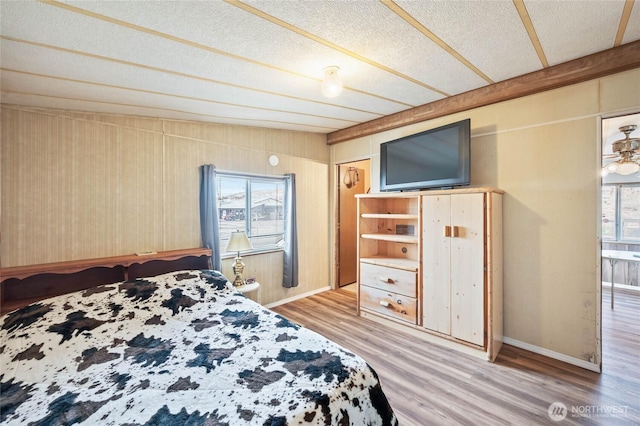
pixel 248 288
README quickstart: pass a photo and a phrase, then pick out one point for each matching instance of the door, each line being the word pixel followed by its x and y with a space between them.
pixel 453 265
pixel 351 182
pixel 436 261
pixel 467 272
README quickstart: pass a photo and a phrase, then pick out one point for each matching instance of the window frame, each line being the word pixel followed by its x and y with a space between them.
pixel 614 237
pixel 249 179
pixel 618 213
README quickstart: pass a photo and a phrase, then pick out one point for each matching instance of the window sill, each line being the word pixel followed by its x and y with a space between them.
pixel 621 241
pixel 224 256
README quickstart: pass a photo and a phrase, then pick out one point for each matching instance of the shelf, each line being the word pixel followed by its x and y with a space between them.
pixel 390 216
pixel 408 239
pixel 393 262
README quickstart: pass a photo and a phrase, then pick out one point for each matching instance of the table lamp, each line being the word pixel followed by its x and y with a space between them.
pixel 238 242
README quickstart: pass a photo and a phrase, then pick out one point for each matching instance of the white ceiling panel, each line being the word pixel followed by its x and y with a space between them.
pixel 633 27
pixel 38 101
pixel 260 63
pixel 166 54
pixel 489 34
pixel 572 29
pixel 379 36
pixel 116 96
pixel 261 49
pixel 85 69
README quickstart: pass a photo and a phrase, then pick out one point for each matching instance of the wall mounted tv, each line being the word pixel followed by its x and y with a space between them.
pixel 436 158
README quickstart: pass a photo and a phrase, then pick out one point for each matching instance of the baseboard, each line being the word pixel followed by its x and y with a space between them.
pixel 299 296
pixel 552 354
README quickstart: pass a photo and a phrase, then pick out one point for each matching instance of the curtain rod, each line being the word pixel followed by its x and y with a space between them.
pixel 234 173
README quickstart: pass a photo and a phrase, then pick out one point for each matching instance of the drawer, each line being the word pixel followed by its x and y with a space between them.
pixel 388 279
pixel 388 303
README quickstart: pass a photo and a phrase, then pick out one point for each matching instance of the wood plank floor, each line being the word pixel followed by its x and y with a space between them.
pixel 427 384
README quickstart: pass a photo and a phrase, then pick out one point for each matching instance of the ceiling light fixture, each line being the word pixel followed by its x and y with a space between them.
pixel 627 167
pixel 331 83
pixel 627 149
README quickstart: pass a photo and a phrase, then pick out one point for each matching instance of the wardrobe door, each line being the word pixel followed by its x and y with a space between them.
pixel 436 263
pixel 467 267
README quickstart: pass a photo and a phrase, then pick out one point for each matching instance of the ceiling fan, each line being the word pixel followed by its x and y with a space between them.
pixel 628 149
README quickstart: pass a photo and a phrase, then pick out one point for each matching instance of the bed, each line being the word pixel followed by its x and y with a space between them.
pixel 180 348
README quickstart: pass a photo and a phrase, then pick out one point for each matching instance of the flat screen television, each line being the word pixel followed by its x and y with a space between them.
pixel 436 158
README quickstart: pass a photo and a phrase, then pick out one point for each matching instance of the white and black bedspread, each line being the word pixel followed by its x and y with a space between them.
pixel 177 349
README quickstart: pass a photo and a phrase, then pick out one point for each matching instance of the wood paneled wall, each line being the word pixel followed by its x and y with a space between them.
pixel 78 185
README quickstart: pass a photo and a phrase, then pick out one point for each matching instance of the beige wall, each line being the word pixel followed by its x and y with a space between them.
pixel 85 185
pixel 543 151
pixel 79 185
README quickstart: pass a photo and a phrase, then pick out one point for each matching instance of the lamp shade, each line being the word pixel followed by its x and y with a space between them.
pixel 239 242
pixel 627 168
pixel 612 167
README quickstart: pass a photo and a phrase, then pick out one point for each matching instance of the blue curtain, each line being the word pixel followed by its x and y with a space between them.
pixel 290 274
pixel 209 227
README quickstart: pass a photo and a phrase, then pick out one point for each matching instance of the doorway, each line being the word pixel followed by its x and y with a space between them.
pixel 353 178
pixel 620 235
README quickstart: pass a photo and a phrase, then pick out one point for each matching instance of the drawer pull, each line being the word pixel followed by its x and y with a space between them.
pixel 384 303
pixel 388 280
pixel 403 312
pixel 399 302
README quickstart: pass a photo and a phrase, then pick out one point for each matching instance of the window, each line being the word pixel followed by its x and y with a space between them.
pixel 629 212
pixel 253 204
pixel 609 203
pixel 621 212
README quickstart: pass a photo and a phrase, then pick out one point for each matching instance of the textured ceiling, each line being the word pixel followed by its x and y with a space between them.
pixel 260 63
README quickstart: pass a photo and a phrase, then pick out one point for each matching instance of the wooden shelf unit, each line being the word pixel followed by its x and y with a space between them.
pixel 390 216
pixel 432 261
pixel 409 239
pixel 391 226
pixel 389 256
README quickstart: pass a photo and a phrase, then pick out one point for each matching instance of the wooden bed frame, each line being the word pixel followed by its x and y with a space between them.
pixel 22 285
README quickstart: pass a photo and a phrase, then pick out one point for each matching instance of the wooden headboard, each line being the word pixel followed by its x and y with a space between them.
pixel 22 285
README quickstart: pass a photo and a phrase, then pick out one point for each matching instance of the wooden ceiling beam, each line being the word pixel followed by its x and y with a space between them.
pixel 611 61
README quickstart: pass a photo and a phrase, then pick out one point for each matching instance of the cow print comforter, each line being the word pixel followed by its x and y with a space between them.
pixel 180 348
